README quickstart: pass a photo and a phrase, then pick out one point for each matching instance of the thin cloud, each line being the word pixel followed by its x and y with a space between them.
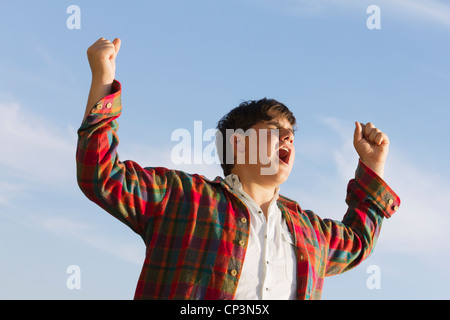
pixel 9 191
pixel 431 11
pixel 90 235
pixel 33 148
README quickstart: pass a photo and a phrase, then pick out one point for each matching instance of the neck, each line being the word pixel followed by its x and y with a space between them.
pixel 261 193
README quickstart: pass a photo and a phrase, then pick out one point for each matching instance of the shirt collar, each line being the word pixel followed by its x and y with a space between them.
pixel 232 180
pixel 282 200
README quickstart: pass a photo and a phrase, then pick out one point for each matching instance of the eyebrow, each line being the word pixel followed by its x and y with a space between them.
pixel 279 126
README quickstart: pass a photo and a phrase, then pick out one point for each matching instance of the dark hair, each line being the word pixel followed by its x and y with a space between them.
pixel 245 116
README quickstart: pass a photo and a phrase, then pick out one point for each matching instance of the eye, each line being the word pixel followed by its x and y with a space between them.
pixel 274 132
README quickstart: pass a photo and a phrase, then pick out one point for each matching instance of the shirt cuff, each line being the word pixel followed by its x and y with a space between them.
pixel 376 188
pixel 108 107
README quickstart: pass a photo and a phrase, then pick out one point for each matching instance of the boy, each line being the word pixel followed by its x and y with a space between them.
pixel 231 238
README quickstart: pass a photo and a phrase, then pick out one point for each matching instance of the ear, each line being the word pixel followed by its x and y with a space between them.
pixel 238 142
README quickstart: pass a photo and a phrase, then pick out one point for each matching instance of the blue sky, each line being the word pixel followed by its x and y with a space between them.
pixel 186 61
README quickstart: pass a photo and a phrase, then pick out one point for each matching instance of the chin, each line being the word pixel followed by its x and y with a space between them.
pixel 282 177
pixel 278 178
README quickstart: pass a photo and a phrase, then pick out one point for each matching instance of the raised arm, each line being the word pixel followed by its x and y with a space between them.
pixel 369 200
pixel 102 60
pixel 124 189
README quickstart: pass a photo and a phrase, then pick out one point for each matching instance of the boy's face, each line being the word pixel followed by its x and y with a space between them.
pixel 269 151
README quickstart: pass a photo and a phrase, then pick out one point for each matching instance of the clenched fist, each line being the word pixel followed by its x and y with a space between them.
pixel 102 60
pixel 372 146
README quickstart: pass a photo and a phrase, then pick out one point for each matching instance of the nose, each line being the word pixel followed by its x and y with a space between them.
pixel 286 135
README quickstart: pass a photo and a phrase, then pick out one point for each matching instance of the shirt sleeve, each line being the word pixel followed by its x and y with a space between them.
pixel 353 239
pixel 124 189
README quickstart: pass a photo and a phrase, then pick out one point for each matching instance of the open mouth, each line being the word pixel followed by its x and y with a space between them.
pixel 284 154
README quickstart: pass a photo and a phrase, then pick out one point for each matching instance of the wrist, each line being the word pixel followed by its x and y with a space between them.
pixel 101 86
pixel 377 167
pixel 102 81
pixel 102 78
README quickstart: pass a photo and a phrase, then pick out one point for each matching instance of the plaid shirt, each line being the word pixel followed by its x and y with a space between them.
pixel 196 230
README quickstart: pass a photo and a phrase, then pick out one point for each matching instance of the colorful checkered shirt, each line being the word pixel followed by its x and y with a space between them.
pixel 196 230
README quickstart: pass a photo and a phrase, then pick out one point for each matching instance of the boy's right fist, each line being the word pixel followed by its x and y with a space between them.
pixel 102 60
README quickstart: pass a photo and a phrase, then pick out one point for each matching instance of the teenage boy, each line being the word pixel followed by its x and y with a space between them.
pixel 234 237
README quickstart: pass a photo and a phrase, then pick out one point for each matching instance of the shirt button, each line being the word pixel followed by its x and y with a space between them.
pixel 242 243
pixel 391 201
pixel 233 273
pixel 99 106
pixel 108 105
pixel 244 220
pixel 395 208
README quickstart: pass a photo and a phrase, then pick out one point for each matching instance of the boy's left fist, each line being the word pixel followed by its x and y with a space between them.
pixel 102 59
pixel 372 146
